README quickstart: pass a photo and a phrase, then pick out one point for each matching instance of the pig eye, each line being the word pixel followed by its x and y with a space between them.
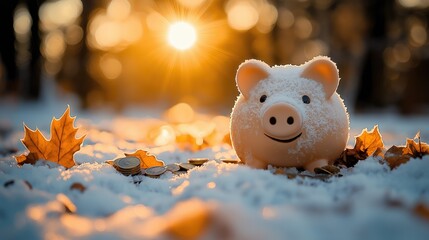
pixel 263 98
pixel 306 99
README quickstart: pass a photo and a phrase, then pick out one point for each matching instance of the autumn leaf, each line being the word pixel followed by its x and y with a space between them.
pixel 59 149
pixel 421 210
pixel 350 157
pixel 368 142
pixel 147 160
pixel 396 156
pixel 416 149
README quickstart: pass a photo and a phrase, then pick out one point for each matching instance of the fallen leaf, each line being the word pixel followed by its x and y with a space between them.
pixel 30 158
pixel 416 149
pixel 396 156
pixel 368 142
pixel 379 153
pixel 147 160
pixel 422 210
pixel 350 157
pixel 59 149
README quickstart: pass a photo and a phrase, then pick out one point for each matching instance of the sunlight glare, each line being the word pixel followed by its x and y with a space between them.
pixel 182 35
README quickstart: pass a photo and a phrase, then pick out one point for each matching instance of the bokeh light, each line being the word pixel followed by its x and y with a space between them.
pixel 268 17
pixel 74 34
pixel 414 3
pixel 110 66
pixel 54 46
pixel 242 15
pixel 22 22
pixel 60 13
pixel 119 9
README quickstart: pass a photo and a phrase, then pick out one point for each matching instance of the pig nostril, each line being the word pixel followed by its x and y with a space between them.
pixel 273 120
pixel 290 120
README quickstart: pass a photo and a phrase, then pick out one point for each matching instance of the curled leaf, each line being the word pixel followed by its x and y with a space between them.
pixel 350 157
pixel 368 142
pixel 147 160
pixel 396 156
pixel 416 149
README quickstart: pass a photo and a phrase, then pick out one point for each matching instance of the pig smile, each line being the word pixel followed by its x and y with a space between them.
pixel 284 140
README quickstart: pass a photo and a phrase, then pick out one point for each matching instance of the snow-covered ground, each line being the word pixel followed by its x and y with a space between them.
pixel 214 201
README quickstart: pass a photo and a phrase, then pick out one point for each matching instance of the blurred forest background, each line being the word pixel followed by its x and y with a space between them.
pixel 116 52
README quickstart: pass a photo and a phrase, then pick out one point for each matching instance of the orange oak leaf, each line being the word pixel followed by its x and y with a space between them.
pixel 368 142
pixel 61 146
pixel 147 160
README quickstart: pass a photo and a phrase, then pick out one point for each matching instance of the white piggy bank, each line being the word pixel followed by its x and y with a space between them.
pixel 289 116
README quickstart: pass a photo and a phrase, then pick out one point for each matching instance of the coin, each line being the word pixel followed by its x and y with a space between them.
pixel 127 165
pixel 155 171
pixel 198 161
pixel 186 166
pixel 329 170
pixel 174 167
pixel 227 160
pixel 180 172
pixel 127 162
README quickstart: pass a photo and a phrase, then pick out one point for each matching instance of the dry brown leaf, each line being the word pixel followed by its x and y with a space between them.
pixel 368 142
pixel 416 149
pixel 379 153
pixel 147 160
pixel 59 149
pixel 350 157
pixel 396 156
pixel 30 158
pixel 422 210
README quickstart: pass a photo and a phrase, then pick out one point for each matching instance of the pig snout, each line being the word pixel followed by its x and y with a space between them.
pixel 282 122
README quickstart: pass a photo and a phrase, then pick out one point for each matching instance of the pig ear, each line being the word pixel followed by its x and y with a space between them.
pixel 249 74
pixel 323 70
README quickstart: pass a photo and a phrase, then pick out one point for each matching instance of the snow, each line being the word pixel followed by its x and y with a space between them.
pixel 368 202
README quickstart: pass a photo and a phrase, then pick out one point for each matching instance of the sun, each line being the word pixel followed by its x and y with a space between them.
pixel 182 35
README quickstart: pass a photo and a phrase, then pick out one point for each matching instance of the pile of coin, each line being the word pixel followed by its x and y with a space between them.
pixel 131 166
pixel 127 165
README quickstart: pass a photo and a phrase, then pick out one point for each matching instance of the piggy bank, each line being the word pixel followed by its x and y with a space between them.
pixel 289 116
